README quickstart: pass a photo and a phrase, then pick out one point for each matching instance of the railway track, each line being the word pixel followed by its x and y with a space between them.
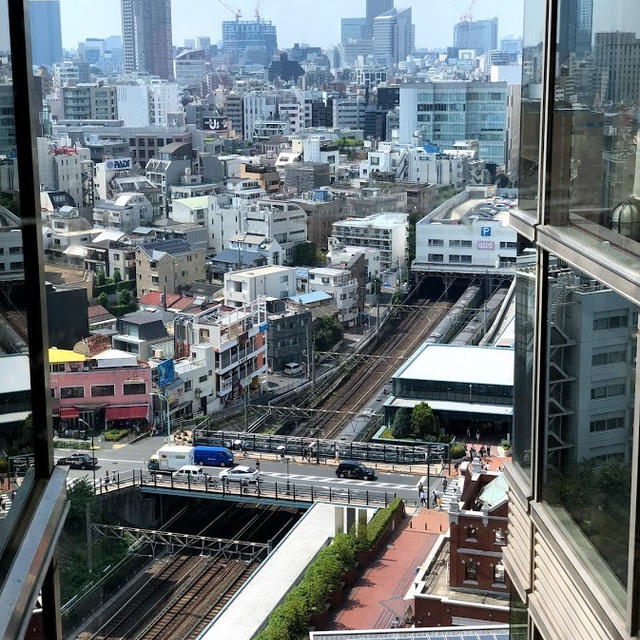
pixel 365 381
pixel 199 601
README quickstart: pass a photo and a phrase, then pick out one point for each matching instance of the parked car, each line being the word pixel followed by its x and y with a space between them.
pixel 79 461
pixel 240 473
pixel 355 469
pixel 292 369
pixel 189 472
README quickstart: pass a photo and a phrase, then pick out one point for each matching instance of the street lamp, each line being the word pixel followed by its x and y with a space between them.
pixel 288 488
pixel 160 395
pixel 93 464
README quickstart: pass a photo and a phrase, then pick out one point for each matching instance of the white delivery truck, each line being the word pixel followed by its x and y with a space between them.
pixel 170 458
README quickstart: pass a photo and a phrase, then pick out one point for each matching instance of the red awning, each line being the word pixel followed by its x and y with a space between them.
pixel 127 413
pixel 69 412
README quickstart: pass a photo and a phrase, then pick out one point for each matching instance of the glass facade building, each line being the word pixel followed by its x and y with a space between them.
pixel 573 551
pixel 46 32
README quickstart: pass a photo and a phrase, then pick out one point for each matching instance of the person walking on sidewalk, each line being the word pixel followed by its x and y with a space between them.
pixel 423 498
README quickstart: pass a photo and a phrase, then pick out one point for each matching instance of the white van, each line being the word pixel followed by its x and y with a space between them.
pixel 189 472
pixel 292 369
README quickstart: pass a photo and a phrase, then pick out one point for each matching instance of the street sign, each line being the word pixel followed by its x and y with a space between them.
pixel 485 232
pixel 166 373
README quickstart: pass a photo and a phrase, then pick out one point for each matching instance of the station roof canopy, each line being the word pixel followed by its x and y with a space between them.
pixel 462 364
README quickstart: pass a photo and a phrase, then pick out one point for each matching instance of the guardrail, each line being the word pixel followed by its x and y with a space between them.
pixel 262 490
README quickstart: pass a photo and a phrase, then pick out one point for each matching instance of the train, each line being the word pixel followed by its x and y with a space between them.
pixel 458 315
pixel 474 330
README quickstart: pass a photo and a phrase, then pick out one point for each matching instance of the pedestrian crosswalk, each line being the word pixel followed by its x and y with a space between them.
pixel 301 478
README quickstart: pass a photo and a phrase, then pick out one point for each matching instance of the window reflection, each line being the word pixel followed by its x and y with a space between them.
pixel 590 403
pixel 595 167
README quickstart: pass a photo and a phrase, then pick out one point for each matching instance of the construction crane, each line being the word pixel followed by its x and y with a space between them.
pixel 468 15
pixel 236 12
pixel 257 12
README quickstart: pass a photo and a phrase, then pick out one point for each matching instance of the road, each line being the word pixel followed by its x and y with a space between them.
pixel 135 456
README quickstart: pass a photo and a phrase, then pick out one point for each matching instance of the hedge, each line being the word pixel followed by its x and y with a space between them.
pixel 71 444
pixel 108 288
pixel 113 435
pixel 120 309
pixel 291 620
pixel 458 451
pixel 126 284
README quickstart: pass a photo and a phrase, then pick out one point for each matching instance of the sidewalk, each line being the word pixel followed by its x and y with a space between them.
pixel 377 597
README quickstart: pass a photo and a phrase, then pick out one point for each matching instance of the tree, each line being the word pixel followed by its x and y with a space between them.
pixel 328 331
pixel 124 297
pixel 116 276
pixel 306 254
pixel 423 422
pixel 401 425
pixel 101 279
pixel 103 299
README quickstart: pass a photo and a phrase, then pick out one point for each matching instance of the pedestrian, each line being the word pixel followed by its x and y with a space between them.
pixel 106 478
pixel 488 451
pixel 435 497
pixel 439 503
pixel 478 435
pixel 420 488
pixel 257 465
pixel 423 498
pixel 444 484
pixel 455 466
pixel 468 433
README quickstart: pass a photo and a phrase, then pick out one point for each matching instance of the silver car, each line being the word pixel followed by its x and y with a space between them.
pixel 240 473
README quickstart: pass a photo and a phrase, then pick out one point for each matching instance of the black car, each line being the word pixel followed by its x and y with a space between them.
pixel 79 461
pixel 355 469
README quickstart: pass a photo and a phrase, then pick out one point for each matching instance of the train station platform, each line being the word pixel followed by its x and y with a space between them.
pixel 249 610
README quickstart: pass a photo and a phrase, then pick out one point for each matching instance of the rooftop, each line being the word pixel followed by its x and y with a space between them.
pixel 173 247
pixel 141 317
pixel 453 363
pixel 268 270
pixel 311 297
pixel 233 256
pixel 197 202
pixel 376 221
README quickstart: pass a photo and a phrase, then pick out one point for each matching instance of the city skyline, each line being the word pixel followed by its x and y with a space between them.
pixel 204 18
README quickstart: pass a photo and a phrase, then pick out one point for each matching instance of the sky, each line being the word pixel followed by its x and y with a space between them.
pixel 310 21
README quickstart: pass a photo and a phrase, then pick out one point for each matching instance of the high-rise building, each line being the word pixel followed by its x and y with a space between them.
pixel 146 32
pixel 442 113
pixel 575 32
pixel 617 57
pixel 46 32
pixel 374 9
pixel 393 36
pixel 249 40
pixel 479 35
pixel 352 29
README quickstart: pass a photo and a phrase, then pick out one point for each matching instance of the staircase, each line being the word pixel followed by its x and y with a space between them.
pixel 450 496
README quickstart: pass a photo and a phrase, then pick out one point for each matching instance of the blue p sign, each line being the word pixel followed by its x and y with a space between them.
pixel 485 232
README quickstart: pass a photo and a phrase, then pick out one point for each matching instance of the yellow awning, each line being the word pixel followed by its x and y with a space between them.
pixel 58 356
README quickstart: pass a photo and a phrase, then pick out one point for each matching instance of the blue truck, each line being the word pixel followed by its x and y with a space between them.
pixel 205 456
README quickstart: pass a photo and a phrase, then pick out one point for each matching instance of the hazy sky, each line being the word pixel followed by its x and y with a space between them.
pixel 312 21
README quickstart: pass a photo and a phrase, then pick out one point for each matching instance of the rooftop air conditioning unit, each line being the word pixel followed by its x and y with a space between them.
pixel 158 353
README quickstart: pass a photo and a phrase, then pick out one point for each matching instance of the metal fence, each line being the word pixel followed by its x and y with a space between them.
pixel 316 448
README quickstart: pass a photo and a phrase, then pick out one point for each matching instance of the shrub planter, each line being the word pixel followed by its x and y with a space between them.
pixel 320 618
pixel 335 597
pixel 351 576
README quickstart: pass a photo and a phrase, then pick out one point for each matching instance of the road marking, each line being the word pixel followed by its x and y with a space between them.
pixel 339 481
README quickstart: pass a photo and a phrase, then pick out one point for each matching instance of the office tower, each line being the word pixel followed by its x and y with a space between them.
pixel 573 544
pixel 46 33
pixel 249 41
pixel 475 111
pixel 393 36
pixel 374 9
pixel 479 35
pixel 146 33
pixel 352 29
pixel 203 42
pixel 575 30
pixel 617 57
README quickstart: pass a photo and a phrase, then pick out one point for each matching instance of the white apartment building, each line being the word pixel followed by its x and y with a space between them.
pixel 222 224
pixel 11 255
pixel 339 284
pixel 164 100
pixel 285 222
pixel 340 254
pixel 127 212
pixel 244 287
pixel 384 231
pixel 319 149
pixel 64 168
pixel 197 373
pixel 293 115
pixel 470 244
pixel 253 110
pixel 238 339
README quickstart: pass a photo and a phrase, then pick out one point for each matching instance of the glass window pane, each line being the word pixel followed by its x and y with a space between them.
pixel 523 358
pixel 596 163
pixel 532 58
pixel 587 471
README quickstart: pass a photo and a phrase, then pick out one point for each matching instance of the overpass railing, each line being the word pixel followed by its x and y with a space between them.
pixel 267 490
